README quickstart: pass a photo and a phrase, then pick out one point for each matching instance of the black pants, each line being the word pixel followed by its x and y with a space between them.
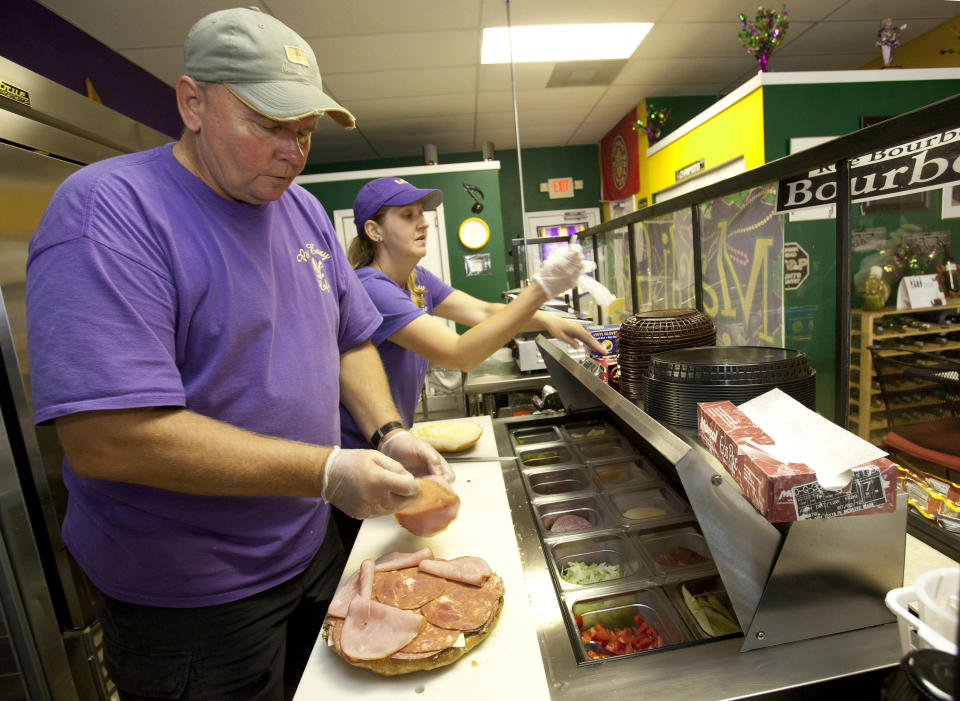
pixel 248 650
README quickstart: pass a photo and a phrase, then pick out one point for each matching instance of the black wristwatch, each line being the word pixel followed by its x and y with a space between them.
pixel 383 431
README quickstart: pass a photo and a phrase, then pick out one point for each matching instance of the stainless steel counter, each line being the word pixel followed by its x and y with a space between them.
pixel 495 377
pixel 711 670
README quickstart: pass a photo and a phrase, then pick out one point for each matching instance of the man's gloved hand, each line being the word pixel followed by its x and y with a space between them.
pixel 418 456
pixel 563 268
pixel 367 483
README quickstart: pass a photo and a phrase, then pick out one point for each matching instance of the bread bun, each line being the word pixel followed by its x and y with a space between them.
pixel 449 436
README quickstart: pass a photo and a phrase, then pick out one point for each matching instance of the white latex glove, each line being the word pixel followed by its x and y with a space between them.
pixel 418 456
pixel 367 483
pixel 563 268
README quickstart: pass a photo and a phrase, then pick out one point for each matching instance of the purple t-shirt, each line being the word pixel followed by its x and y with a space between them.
pixel 145 288
pixel 406 370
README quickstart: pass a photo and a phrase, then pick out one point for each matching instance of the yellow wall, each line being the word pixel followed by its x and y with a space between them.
pixel 924 50
pixel 736 131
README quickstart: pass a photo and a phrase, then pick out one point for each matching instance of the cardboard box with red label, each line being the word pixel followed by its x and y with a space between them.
pixel 789 491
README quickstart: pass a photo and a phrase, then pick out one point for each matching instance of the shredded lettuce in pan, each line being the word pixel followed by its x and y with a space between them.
pixel 582 573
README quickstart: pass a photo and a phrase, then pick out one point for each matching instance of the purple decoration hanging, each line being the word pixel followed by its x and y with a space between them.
pixel 763 34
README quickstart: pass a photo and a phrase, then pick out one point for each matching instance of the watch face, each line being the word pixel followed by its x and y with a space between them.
pixel 474 233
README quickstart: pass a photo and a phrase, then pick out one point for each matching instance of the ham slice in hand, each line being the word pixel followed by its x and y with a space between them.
pixel 434 509
pixel 373 630
pixel 469 570
pixel 401 561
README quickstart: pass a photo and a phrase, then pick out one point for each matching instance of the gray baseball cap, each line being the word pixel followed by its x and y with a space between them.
pixel 263 62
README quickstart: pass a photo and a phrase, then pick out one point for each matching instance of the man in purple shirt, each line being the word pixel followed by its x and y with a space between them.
pixel 193 328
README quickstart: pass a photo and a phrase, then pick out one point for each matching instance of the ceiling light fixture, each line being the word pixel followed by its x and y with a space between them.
pixel 563 42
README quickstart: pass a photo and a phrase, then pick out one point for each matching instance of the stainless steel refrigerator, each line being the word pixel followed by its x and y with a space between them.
pixel 49 638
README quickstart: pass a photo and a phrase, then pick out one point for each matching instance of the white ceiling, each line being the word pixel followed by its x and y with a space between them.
pixel 410 71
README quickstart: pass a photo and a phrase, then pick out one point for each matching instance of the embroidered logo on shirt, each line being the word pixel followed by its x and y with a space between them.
pixel 316 257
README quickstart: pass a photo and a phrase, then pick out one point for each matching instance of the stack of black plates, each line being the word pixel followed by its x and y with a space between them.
pixel 676 380
pixel 651 332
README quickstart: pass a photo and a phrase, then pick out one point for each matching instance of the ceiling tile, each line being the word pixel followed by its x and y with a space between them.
pixel 418 127
pixel 729 10
pixel 878 9
pixel 414 106
pixel 401 83
pixel 682 70
pixel 553 12
pixel 846 37
pixel 376 52
pixel 336 18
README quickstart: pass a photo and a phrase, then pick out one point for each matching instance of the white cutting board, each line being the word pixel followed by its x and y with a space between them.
pixel 510 656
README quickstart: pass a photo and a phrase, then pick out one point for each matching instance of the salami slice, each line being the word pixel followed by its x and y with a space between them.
pixel 407 588
pixel 413 655
pixel 460 607
pixel 493 587
pixel 431 639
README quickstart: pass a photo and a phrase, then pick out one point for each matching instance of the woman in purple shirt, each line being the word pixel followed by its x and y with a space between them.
pixel 392 239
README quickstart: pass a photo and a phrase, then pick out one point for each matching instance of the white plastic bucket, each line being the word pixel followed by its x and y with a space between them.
pixel 936 594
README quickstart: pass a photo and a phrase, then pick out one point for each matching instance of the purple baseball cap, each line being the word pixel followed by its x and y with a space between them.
pixel 394 192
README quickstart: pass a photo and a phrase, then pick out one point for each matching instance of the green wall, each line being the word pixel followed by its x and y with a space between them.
pixel 835 110
pixel 457 206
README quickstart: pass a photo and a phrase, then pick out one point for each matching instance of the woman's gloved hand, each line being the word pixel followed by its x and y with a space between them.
pixel 563 268
pixel 418 456
pixel 366 483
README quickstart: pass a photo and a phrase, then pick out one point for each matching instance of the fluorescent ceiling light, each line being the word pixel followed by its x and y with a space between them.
pixel 563 42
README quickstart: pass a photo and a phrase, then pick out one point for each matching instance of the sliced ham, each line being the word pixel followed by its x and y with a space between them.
pixel 366 579
pixel 434 509
pixel 372 631
pixel 359 583
pixel 341 600
pixel 408 588
pixel 461 607
pixel 469 570
pixel 399 561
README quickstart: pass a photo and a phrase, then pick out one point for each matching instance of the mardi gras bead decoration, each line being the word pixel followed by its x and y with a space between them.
pixel 763 34
pixel 653 125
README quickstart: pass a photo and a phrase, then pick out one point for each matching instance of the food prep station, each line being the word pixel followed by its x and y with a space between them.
pixel 663 513
pixel 662 516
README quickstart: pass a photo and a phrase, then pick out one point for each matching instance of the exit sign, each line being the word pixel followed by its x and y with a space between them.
pixel 559 188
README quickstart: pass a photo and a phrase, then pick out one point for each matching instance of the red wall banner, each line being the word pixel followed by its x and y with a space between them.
pixel 618 160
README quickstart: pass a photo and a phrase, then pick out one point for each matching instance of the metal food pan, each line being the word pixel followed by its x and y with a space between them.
pixel 643 507
pixel 677 554
pixel 548 455
pixel 534 435
pixel 617 473
pixel 617 609
pixel 709 590
pixel 604 448
pixel 610 548
pixel 565 479
pixel 595 428
pixel 588 507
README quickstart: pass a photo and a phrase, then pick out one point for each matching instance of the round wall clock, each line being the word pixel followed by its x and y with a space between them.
pixel 474 232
